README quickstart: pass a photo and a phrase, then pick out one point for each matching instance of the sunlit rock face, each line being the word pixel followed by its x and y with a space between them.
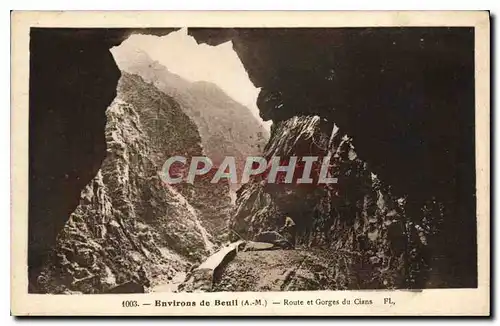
pixel 404 96
pixel 127 217
pixel 226 127
pixel 359 215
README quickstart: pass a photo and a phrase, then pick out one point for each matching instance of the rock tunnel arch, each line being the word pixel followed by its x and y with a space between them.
pixel 356 76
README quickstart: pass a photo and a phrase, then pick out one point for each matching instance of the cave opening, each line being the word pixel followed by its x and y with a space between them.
pixel 392 89
pixel 180 67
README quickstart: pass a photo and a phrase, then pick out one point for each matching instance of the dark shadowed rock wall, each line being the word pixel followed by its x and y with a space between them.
pixel 404 96
pixel 127 217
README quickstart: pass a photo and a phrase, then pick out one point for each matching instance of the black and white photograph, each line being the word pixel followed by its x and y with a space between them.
pixel 252 159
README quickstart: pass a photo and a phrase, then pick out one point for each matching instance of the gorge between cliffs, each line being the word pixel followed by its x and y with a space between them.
pixel 102 217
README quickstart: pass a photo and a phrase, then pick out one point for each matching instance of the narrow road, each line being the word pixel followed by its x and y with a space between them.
pixel 281 270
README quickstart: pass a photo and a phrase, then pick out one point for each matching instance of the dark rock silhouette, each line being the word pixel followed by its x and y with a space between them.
pixel 358 214
pixel 127 218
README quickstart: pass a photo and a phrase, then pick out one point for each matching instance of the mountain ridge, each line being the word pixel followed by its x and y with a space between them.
pixel 127 217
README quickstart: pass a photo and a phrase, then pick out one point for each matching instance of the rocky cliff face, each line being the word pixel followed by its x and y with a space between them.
pixel 227 128
pixel 127 217
pixel 359 215
pixel 393 91
pixel 407 82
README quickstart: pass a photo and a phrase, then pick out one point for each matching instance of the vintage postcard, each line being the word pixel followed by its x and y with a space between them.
pixel 250 163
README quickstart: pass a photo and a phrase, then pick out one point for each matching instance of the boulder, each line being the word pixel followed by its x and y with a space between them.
pixel 274 238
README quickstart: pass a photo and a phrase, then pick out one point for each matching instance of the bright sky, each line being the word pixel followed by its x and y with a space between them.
pixel 181 54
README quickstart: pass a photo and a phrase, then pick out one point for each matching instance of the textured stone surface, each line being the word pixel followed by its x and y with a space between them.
pixel 358 214
pixel 226 127
pixel 287 270
pixel 127 218
pixel 393 90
